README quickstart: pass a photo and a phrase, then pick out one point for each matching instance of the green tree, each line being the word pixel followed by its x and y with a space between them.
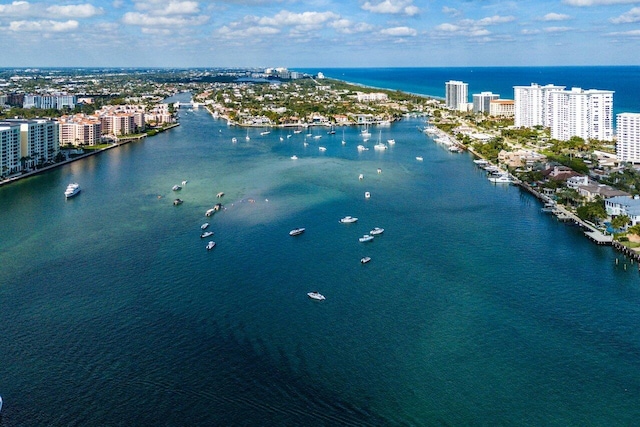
pixel 620 221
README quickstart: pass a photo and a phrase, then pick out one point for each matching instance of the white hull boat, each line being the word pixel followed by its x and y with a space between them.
pixel 211 245
pixel 206 234
pixel 316 295
pixel 365 238
pixel 376 231
pixel 348 220
pixel 296 231
pixel 72 190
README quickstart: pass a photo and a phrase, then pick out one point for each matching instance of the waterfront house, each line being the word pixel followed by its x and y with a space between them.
pixel 623 205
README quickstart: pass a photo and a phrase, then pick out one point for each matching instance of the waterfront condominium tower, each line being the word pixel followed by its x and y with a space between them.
pixel 456 93
pixel 531 105
pixel 584 113
pixel 482 101
pixel 628 135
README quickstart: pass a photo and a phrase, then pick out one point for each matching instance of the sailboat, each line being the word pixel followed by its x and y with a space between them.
pixel 332 131
pixel 380 145
pixel 343 140
pixel 247 137
pixel 365 132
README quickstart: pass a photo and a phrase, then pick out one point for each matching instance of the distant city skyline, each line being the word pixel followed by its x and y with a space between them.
pixel 318 33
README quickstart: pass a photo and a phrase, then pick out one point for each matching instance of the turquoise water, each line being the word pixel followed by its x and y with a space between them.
pixel 475 309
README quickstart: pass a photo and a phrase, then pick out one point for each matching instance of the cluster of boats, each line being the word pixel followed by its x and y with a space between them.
pixel 494 173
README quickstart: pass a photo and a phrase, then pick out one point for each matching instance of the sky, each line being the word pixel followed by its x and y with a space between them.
pixel 318 33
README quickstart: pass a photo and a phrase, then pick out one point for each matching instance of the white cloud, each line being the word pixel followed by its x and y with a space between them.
pixel 163 7
pixel 144 20
pixel 156 31
pixel 632 33
pixel 17 8
pixel 527 31
pixel 45 26
pixel 346 26
pixel 451 11
pixel 231 33
pixel 304 19
pixel 582 3
pixel 448 28
pixel 629 17
pixel 490 20
pixel 392 7
pixel 555 17
pixel 557 29
pixel 75 11
pixel 399 32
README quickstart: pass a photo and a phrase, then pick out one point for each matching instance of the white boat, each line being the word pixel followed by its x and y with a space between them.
pixel 501 179
pixel 204 226
pixel 348 220
pixel 176 188
pixel 316 295
pixel 323 149
pixel 361 177
pixel 294 157
pixel 362 148
pixel 177 202
pixel 419 158
pixel 317 137
pixel 454 149
pixel 265 133
pixel 220 194
pixel 206 234
pixel 209 212
pixel 296 231
pixel 365 259
pixel 481 162
pixel 0 403
pixel 234 139
pixel 184 182
pixel 366 238
pixel 211 245
pixel 391 141
pixel 380 146
pixel 281 139
pixel 376 231
pixel 72 190
pixel 367 195
pixel 297 131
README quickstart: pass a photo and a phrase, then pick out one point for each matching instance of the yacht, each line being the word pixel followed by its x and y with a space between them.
pixel 211 245
pixel 419 158
pixel 204 226
pixel 367 195
pixel 481 162
pixel 177 202
pixel 365 260
pixel 72 190
pixel 348 220
pixel 454 149
pixel 209 212
pixel 316 295
pixel 380 146
pixel 503 178
pixel 376 231
pixel 176 188
pixel 206 234
pixel 366 238
pixel 296 231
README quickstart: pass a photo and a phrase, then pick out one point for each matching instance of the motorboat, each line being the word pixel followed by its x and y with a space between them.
pixel 206 234
pixel 380 146
pixel 316 295
pixel 176 188
pixel 297 131
pixel 481 162
pixel 317 137
pixel 376 231
pixel 0 403
pixel 419 158
pixel 217 207
pixel 211 245
pixel 365 259
pixel 296 231
pixel 365 238
pixel 348 219
pixel 322 149
pixel 361 177
pixel 454 148
pixel 204 226
pixel 220 194
pixel 265 133
pixel 379 171
pixel 177 202
pixel 294 157
pixel 501 179
pixel 234 139
pixel 362 148
pixel 72 190
pixel 391 141
pixel 209 212
pixel 367 195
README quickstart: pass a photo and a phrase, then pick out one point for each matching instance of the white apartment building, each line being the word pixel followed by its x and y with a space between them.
pixel 628 136
pixel 456 93
pixel 57 101
pixel 9 148
pixel 531 105
pixel 501 108
pixel 38 140
pixel 584 113
pixel 371 97
pixel 482 101
pixel 80 130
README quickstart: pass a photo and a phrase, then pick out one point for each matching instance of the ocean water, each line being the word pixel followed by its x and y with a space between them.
pixel 476 308
pixel 624 80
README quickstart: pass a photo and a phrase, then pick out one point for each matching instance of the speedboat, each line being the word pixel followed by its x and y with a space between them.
pixel 365 238
pixel 481 162
pixel 362 148
pixel 176 188
pixel 296 231
pixel 501 179
pixel 0 403
pixel 220 194
pixel 234 139
pixel 322 148
pixel 348 219
pixel 361 177
pixel 391 141
pixel 419 158
pixel 72 190
pixel 376 231
pixel 316 295
pixel 265 133
pixel 204 226
pixel 177 202
pixel 367 195
pixel 209 212
pixel 211 245
pixel 184 182
pixel 206 234
pixel 365 260
pixel 294 157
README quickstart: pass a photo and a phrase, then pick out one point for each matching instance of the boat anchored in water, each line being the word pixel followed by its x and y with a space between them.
pixel 296 231
pixel 204 226
pixel 348 220
pixel 376 231
pixel 72 190
pixel 419 158
pixel 365 260
pixel 316 295
pixel 177 202
pixel 211 245
pixel 176 188
pixel 365 238
pixel 206 234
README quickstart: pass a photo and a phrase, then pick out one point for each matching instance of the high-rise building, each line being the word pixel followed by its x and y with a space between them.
pixel 456 93
pixel 38 140
pixel 80 130
pixel 628 136
pixel 531 105
pixel 584 113
pixel 482 101
pixel 9 148
pixel 501 108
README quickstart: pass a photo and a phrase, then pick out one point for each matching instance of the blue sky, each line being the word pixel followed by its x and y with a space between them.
pixel 319 33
